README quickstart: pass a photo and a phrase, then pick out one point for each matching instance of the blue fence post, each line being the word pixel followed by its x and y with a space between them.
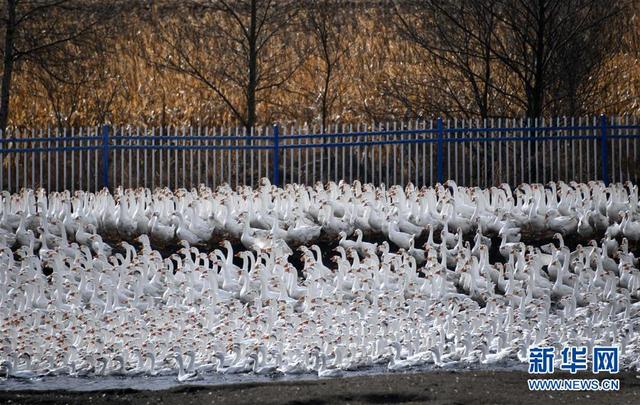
pixel 440 150
pixel 276 155
pixel 604 159
pixel 105 156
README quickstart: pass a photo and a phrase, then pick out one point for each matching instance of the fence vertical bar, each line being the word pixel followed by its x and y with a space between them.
pixel 206 158
pixel 285 160
pixel 105 156
pixel 290 130
pixel 96 151
pixel 259 153
pixel 313 155
pixel 114 157
pixel 218 143
pixel 514 145
pixel 299 132
pixel 183 155
pixel 16 171
pixel 323 140
pixel 251 158
pixel 419 144
pixel 72 152
pixel 580 142
pixel 244 157
pixel 544 154
pixel 33 162
pixel 276 155
pixel 4 145
pixel 130 152
pixel 448 150
pixel 626 123
pixel 153 158
pixel 498 134
pixel 9 167
pixel 191 157
pixel 395 156
pixel 176 152
pixel 336 176
pixel 522 180
pixel 595 142
pixel 138 157
pixel 160 154
pixel 620 141
pixel 455 154
pixel 229 153
pixel 48 159
pixel 431 152
pixel 25 157
pixel 80 175
pixel 64 159
pixel 365 155
pixel 613 162
pixel 88 162
pixel 635 149
pixel 344 175
pixel 121 145
pixel 462 147
pixel 294 155
pixel 237 156
pixel 40 166
pixel 566 154
pixel 440 151
pixel 307 141
pixel 56 143
pixel 379 138
pixel 604 159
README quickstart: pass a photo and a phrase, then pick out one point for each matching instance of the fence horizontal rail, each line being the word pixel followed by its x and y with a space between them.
pixel 291 145
pixel 360 134
pixel 191 147
pixel 522 129
pixel 53 149
pixel 52 139
pixel 247 138
pixel 445 130
pixel 436 140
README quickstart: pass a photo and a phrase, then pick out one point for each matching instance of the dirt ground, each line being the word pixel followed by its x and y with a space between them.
pixel 443 387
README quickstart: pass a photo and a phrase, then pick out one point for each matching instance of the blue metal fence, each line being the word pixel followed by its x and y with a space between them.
pixel 422 152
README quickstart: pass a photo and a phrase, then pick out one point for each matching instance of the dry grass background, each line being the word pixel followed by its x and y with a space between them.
pixel 380 78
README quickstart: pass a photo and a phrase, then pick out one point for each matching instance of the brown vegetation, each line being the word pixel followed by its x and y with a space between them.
pixel 253 62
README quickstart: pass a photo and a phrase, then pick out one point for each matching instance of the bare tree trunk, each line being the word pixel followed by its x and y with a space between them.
pixel 252 83
pixel 325 94
pixel 7 64
pixel 536 99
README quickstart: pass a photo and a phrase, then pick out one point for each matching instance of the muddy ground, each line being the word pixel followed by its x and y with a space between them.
pixel 441 387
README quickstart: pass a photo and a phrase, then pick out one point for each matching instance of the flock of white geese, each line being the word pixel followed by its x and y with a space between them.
pixel 87 287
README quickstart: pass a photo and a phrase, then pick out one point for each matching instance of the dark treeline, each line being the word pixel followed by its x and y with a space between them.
pixel 69 63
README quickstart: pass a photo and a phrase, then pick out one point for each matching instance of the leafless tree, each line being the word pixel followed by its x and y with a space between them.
pixel 328 24
pixel 235 48
pixel 550 46
pixel 533 55
pixel 41 33
pixel 456 37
